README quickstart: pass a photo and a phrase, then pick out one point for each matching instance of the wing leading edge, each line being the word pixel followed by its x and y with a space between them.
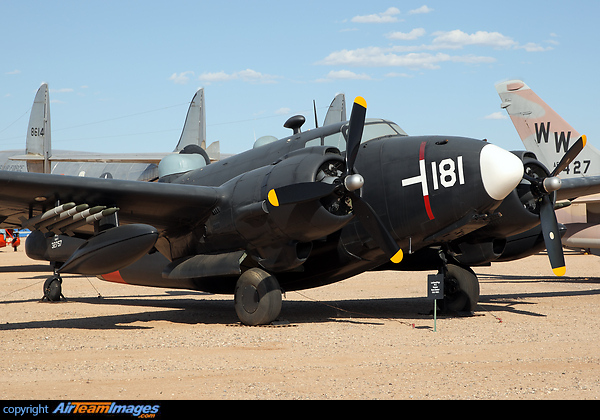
pixel 170 208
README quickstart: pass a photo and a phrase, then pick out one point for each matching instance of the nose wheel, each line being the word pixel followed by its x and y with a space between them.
pixel 53 289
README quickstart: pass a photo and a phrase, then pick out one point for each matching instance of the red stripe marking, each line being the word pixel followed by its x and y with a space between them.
pixel 114 277
pixel 428 207
pixel 425 197
pixel 422 151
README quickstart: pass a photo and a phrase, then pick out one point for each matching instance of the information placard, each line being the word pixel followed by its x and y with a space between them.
pixel 435 286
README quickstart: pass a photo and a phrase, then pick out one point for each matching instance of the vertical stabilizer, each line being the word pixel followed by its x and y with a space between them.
pixel 194 129
pixel 544 132
pixel 38 133
pixel 214 151
pixel 337 110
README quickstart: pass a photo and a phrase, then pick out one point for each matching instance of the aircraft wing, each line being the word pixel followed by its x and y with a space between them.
pixel 170 208
pixel 576 187
pixel 98 157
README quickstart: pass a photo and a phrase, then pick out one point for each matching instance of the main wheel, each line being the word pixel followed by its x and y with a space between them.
pixel 53 288
pixel 461 289
pixel 257 297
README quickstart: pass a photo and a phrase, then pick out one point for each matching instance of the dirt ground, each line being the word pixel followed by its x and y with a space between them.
pixel 534 336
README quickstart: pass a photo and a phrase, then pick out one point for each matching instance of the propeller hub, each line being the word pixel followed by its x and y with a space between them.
pixel 552 183
pixel 354 182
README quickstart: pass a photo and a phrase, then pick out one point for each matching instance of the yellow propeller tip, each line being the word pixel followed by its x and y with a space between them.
pixel 360 101
pixel 584 138
pixel 559 271
pixel 397 257
pixel 272 196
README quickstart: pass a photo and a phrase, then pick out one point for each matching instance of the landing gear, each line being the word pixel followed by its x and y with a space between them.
pixel 257 297
pixel 53 289
pixel 461 289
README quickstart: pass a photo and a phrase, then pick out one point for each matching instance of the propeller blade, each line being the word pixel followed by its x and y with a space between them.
pixel 355 131
pixel 375 228
pixel 300 193
pixel 570 155
pixel 552 237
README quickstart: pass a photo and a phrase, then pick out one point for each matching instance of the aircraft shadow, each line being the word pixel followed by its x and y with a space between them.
pixel 32 268
pixel 196 311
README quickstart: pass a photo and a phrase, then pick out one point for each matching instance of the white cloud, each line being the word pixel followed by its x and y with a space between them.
pixel 420 10
pixel 389 16
pixel 458 39
pixel 63 90
pixel 533 47
pixel 248 75
pixel 500 115
pixel 394 74
pixel 283 111
pixel 386 57
pixel 181 78
pixel 347 75
pixel 403 36
pixel 13 72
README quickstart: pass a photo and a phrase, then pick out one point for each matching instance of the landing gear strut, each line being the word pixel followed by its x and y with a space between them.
pixel 53 289
pixel 257 297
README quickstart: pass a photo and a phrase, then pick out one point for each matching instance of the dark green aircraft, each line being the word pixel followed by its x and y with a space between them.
pixel 311 209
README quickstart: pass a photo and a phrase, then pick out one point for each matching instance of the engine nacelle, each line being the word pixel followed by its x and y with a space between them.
pixel 517 233
pixel 480 253
pixel 520 210
pixel 279 237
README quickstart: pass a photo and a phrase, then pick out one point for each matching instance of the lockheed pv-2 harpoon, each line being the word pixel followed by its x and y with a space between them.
pixel 308 210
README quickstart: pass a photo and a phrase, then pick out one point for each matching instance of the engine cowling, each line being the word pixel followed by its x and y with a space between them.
pixel 517 233
pixel 279 238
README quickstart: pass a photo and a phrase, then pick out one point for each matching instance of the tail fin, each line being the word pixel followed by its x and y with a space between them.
pixel 544 132
pixel 194 128
pixel 38 145
pixel 337 110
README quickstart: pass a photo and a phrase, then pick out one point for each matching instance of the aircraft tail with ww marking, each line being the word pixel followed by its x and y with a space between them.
pixel 544 132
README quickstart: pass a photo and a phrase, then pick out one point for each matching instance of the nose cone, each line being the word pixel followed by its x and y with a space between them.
pixel 501 171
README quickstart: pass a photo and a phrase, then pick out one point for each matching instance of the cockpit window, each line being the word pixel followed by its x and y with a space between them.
pixel 374 129
pixel 378 129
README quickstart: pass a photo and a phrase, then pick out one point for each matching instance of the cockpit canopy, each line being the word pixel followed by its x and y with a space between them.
pixel 374 128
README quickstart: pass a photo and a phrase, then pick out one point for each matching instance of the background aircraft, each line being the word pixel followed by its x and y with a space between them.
pixel 39 156
pixel 311 209
pixel 548 135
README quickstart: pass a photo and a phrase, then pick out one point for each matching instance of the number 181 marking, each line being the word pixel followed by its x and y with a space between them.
pixel 448 172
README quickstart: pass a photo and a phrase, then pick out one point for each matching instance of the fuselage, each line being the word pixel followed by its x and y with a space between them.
pixel 425 189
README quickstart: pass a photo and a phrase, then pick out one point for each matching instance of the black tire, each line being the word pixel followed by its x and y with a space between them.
pixel 257 297
pixel 53 289
pixel 461 289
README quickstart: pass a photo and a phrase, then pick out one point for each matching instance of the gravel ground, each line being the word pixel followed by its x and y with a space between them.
pixel 534 336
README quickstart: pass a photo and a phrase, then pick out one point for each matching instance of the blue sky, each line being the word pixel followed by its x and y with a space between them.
pixel 121 73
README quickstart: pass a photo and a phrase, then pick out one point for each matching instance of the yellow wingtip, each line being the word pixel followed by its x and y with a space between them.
pixel 360 101
pixel 272 196
pixel 559 271
pixel 397 257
